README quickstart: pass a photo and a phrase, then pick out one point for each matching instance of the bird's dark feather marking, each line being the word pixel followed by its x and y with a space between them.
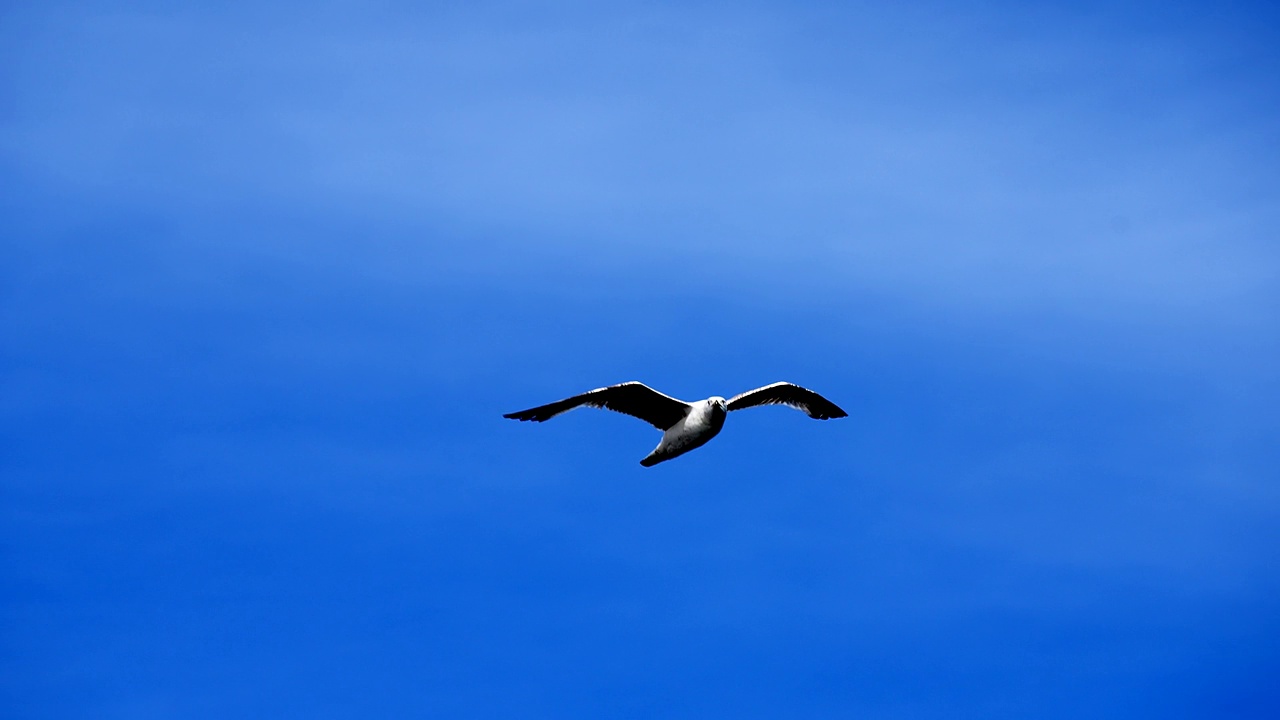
pixel 783 393
pixel 630 398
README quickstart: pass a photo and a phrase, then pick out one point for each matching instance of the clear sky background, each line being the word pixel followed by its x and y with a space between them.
pixel 270 275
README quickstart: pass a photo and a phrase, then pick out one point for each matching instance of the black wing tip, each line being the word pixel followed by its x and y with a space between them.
pixel 828 413
pixel 523 416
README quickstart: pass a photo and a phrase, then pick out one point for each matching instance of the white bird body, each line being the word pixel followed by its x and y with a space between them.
pixel 703 422
pixel 685 426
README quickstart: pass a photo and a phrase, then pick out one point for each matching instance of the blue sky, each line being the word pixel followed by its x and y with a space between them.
pixel 271 276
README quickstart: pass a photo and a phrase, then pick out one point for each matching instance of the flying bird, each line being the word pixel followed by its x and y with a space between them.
pixel 685 426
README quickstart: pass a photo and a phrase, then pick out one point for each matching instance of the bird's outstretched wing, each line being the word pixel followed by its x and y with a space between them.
pixel 784 393
pixel 631 398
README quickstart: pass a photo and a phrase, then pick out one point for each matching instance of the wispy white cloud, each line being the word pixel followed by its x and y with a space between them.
pixel 946 161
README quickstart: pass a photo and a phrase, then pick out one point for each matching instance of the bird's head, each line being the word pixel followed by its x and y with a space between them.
pixel 718 404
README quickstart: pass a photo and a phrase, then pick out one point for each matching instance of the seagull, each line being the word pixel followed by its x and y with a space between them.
pixel 685 426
